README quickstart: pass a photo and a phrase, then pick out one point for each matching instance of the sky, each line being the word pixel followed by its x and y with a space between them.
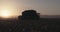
pixel 45 7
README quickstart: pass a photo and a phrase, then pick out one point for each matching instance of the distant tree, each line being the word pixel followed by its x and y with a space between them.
pixel 30 14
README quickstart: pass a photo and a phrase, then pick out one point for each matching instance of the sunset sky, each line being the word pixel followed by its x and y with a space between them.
pixel 45 7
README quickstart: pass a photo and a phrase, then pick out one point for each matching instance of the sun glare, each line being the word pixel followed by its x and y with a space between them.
pixel 5 13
